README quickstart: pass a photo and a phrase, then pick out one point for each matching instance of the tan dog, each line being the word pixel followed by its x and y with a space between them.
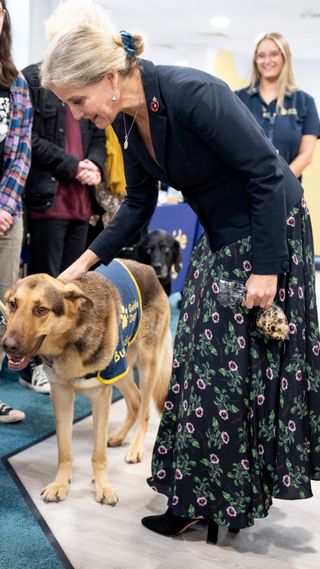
pixel 74 327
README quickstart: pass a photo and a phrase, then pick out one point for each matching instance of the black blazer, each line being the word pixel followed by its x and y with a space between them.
pixel 209 146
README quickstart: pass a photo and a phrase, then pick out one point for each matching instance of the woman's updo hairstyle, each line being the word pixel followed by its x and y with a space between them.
pixel 83 55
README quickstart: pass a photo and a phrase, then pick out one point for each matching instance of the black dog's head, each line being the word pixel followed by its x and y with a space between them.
pixel 162 251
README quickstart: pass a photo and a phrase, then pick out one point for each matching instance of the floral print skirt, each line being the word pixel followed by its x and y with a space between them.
pixel 241 423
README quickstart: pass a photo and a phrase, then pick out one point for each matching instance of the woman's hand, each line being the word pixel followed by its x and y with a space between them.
pixel 5 221
pixel 261 290
pixel 80 267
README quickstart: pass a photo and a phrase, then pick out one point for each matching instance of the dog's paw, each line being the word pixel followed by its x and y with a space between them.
pixel 134 455
pixel 106 495
pixel 114 440
pixel 54 492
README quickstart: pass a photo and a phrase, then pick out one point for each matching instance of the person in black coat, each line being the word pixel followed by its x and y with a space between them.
pixel 237 424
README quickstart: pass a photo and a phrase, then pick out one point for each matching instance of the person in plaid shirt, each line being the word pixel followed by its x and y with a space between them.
pixel 15 158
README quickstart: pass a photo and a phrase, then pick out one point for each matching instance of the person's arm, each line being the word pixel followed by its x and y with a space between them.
pixel 306 151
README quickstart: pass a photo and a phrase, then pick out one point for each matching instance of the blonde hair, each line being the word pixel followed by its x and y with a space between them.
pixel 71 13
pixel 286 80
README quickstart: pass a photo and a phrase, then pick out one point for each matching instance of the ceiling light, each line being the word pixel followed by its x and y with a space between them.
pixel 220 21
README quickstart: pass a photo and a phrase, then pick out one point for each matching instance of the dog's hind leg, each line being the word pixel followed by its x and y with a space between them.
pixel 62 399
pixel 131 394
pixel 101 401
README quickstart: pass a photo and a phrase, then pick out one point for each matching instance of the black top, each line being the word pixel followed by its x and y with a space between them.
pixel 209 146
pixel 284 128
pixel 4 121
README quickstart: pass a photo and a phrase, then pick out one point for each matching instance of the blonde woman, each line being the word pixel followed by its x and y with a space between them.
pixel 287 114
pixel 224 448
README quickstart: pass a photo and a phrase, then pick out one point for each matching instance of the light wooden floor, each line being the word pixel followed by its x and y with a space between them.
pixel 100 537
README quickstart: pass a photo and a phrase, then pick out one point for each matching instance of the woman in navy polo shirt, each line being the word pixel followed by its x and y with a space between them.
pixel 287 114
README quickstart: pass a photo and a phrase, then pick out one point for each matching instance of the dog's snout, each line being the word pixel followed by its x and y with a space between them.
pixel 157 267
pixel 10 345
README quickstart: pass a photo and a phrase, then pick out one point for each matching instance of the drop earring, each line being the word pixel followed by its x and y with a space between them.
pixel 114 98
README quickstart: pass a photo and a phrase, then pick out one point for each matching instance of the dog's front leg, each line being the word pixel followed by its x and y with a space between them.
pixel 101 401
pixel 62 398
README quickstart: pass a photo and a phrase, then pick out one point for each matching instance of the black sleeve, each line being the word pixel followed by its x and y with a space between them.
pixel 97 152
pixel 135 212
pixel 221 120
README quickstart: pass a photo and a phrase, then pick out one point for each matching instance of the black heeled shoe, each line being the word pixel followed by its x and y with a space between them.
pixel 167 524
pixel 213 531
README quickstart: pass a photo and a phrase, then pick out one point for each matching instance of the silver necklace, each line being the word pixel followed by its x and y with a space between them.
pixel 127 134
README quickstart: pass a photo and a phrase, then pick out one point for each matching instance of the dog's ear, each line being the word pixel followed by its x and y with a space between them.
pixel 177 259
pixel 74 293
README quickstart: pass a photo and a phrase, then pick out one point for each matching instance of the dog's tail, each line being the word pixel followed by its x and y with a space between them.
pixel 164 371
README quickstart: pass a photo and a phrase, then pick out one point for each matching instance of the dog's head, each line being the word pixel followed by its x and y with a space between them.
pixel 38 308
pixel 160 250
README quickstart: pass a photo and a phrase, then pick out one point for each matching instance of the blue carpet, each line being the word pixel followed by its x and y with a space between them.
pixel 25 539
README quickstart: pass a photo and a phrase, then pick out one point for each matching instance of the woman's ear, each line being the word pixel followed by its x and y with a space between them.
pixel 111 79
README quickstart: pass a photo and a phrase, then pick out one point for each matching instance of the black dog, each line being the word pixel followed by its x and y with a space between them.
pixel 160 250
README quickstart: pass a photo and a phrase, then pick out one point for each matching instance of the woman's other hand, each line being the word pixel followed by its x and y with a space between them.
pixel 261 291
pixel 80 267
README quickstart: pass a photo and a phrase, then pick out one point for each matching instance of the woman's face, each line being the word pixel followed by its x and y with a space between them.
pixel 269 59
pixel 92 102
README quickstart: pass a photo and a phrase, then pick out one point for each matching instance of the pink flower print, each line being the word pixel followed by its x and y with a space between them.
pixel 232 366
pixel 199 412
pixel 154 488
pixel 284 383
pixel 315 350
pixel 214 459
pixel 208 334
pixel 231 512
pixel 269 373
pixel 196 274
pixel 224 414
pixel 239 318
pixel 290 291
pixel 176 388
pixel 178 474
pixel 303 203
pixel 201 384
pixel 175 500
pixel 192 299
pixel 245 464
pixel 161 474
pixel 291 221
pixel 291 426
pixel 241 342
pixel 185 317
pixel 185 405
pixel 286 480
pixel 215 288
pixel 162 449
pixel 215 317
pixel 225 437
pixel 300 292
pixel 295 259
pixel 247 265
pixel 303 333
pixel 201 292
pixel 190 427
pixel 179 428
pixel 185 385
pixel 292 328
pixel 202 501
pixel 168 405
pixel 260 449
pixel 299 375
pixel 282 294
pixel 260 399
pixel 175 363
pixel 250 413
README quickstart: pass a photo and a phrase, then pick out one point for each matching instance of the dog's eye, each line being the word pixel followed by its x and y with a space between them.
pixel 41 311
pixel 149 250
pixel 12 305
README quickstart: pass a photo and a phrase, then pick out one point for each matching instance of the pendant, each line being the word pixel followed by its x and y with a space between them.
pixel 154 105
pixel 126 143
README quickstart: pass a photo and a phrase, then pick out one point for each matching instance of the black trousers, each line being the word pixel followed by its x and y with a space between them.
pixel 55 244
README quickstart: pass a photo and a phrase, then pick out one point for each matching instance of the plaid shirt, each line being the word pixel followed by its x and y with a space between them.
pixel 17 148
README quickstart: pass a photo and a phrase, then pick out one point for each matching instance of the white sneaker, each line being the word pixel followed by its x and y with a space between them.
pixel 38 380
pixel 9 415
